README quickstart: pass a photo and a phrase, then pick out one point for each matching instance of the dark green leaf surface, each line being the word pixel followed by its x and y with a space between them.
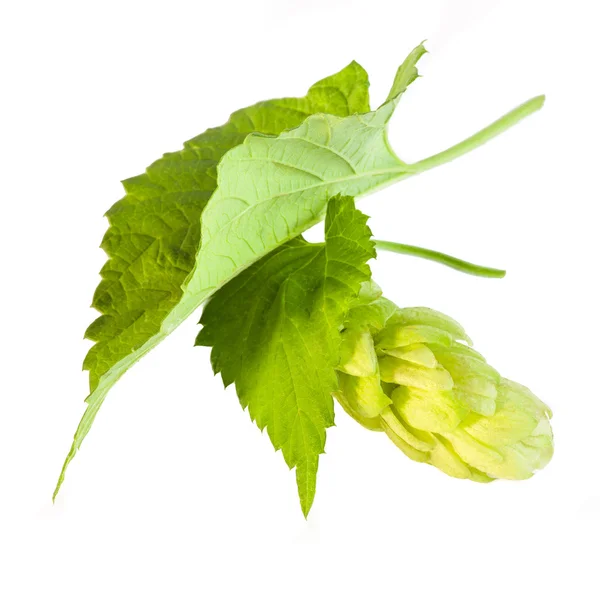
pixel 154 231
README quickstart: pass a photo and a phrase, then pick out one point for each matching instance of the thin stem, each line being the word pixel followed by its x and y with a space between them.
pixel 444 259
pixel 483 136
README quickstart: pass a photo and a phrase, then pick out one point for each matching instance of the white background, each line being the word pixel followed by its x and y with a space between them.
pixel 175 494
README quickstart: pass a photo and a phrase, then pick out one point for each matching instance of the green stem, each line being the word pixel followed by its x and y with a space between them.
pixel 481 137
pixel 444 259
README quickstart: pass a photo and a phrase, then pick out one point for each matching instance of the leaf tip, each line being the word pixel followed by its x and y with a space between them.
pixel 306 505
pixel 63 471
pixel 58 485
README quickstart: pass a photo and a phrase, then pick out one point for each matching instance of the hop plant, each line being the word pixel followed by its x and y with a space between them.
pixel 220 224
pixel 412 373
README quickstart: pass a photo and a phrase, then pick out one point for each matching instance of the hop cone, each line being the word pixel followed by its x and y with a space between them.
pixel 412 373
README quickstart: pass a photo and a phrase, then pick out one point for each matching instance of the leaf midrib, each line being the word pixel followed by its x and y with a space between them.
pixel 401 171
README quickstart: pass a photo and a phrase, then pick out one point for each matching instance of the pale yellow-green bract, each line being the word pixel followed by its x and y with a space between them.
pixel 412 373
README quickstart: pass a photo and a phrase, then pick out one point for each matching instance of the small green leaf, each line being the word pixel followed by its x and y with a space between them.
pixel 275 332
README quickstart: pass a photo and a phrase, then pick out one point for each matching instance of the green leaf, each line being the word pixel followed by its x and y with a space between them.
pixel 271 189
pixel 154 233
pixel 275 332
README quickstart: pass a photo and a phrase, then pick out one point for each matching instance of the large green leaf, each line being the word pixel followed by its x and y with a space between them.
pixel 275 332
pixel 271 189
pixel 154 232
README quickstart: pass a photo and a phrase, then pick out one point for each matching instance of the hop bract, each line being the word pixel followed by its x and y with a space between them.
pixel 412 373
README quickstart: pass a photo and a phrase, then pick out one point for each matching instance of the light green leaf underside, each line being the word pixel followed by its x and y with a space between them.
pixel 275 332
pixel 154 232
pixel 271 189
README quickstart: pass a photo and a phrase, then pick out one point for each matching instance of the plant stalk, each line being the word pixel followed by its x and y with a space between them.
pixel 439 257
